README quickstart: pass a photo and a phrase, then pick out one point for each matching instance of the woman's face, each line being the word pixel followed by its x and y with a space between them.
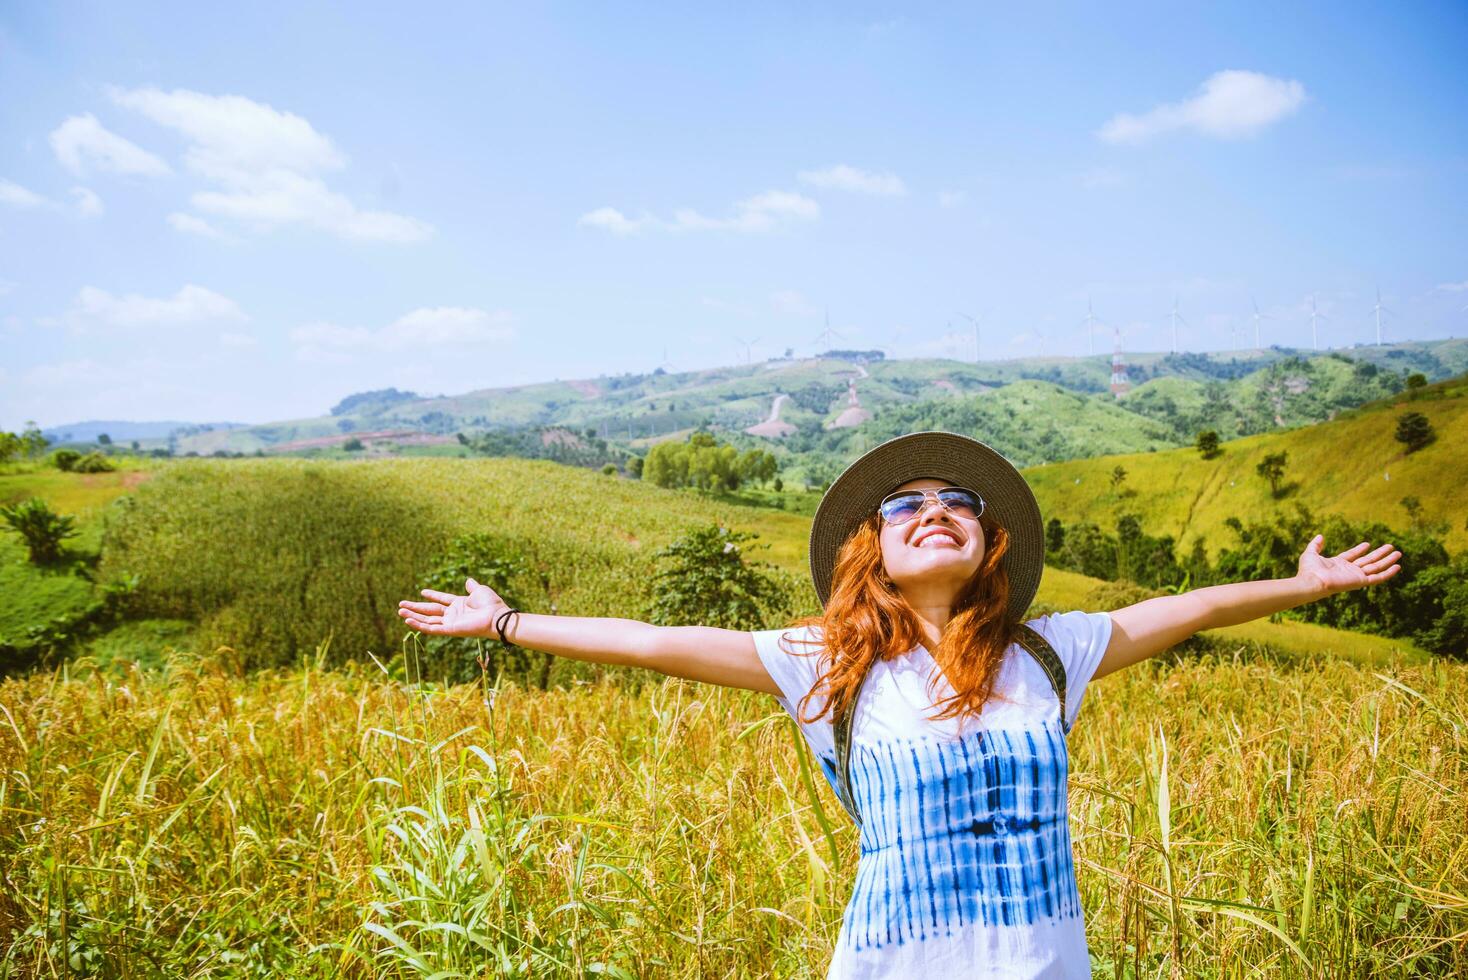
pixel 937 551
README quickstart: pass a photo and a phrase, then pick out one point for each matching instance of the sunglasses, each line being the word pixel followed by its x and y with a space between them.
pixel 904 505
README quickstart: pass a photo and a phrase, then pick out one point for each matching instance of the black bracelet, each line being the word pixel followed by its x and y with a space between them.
pixel 499 625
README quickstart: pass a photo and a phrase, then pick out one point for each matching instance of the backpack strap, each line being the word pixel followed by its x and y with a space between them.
pixel 842 732
pixel 1026 636
pixel 1039 648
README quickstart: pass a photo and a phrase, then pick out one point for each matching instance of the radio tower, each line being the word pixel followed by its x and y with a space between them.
pixel 1120 384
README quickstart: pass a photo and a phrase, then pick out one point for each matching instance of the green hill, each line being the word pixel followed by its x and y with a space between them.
pixel 1352 466
pixel 1235 392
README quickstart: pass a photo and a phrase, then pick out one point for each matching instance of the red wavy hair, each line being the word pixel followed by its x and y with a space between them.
pixel 867 618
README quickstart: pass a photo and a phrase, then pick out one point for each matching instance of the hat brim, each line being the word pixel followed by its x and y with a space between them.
pixel 947 456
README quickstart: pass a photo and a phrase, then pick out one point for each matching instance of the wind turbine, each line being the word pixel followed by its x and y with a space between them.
pixel 1315 315
pixel 747 344
pixel 1090 321
pixel 1378 309
pixel 1176 319
pixel 1257 317
pixel 824 337
pixel 975 322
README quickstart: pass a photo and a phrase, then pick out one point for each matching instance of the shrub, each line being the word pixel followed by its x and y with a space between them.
pixel 499 564
pixel 42 528
pixel 706 581
pixel 93 463
pixel 353 445
pixel 1414 430
pixel 65 459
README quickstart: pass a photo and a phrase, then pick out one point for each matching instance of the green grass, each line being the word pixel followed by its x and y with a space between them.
pixel 33 594
pixel 144 643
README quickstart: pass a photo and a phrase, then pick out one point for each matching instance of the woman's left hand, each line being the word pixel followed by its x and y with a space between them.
pixel 1354 568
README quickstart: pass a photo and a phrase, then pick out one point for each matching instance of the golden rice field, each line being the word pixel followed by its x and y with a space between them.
pixel 1234 816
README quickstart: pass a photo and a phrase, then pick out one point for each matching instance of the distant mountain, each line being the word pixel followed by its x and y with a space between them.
pixel 818 413
pixel 125 432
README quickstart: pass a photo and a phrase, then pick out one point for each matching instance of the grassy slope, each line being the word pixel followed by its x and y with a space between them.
pixel 632 521
pixel 35 595
pixel 1352 466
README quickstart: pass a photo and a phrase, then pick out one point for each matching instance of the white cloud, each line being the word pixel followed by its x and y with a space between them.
pixel 84 202
pixel 846 178
pixel 190 305
pixel 1228 105
pixel 792 303
pixel 82 143
pixel 614 221
pixel 428 329
pixel 87 204
pixel 17 196
pixel 952 199
pixel 1455 287
pixel 265 166
pixel 760 213
pixel 191 225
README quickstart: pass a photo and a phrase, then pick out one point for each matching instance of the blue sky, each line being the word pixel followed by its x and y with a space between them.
pixel 246 216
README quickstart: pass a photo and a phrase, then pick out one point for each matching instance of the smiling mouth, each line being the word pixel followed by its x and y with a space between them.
pixel 937 537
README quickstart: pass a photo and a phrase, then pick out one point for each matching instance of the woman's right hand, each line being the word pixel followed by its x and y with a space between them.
pixel 446 614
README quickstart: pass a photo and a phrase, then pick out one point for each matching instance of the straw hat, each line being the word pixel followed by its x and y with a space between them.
pixel 956 460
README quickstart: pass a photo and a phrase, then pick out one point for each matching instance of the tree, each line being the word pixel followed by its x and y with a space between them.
pixel 42 528
pixel 136 446
pixel 757 466
pixel 353 445
pixel 634 467
pixel 32 443
pixel 706 580
pixel 1054 535
pixel 1414 430
pixel 609 469
pixel 1416 380
pixel 1413 507
pixel 103 439
pixel 1118 477
pixel 10 446
pixel 1272 468
pixel 1208 443
pixel 779 485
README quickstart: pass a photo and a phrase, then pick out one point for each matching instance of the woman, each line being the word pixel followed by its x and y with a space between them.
pixel 926 552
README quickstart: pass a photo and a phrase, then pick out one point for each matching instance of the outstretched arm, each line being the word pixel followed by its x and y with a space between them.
pixel 699 653
pixel 1147 628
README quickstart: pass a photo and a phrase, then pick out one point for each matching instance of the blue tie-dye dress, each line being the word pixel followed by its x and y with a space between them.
pixel 966 867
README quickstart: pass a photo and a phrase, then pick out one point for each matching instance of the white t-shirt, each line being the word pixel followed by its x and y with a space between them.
pixel 966 867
